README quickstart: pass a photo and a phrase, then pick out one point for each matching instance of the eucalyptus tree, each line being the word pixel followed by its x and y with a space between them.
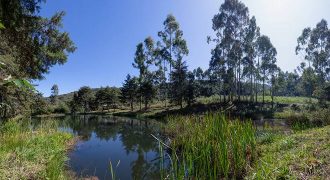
pixel 173 45
pixel 145 57
pixel 309 80
pixel 152 75
pixel 217 71
pixel 199 73
pixel 129 91
pixel 199 81
pixel 54 93
pixel 252 32
pixel 314 45
pixel 267 53
pixel 140 63
pixel 229 26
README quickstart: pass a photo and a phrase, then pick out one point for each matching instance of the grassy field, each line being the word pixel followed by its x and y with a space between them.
pixel 268 99
pixel 303 155
pixel 205 104
pixel 210 147
pixel 33 154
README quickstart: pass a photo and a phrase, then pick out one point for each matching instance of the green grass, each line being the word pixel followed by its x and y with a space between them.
pixel 303 155
pixel 210 147
pixel 268 99
pixel 33 154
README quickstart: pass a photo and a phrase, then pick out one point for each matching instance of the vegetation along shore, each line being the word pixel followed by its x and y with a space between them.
pixel 174 113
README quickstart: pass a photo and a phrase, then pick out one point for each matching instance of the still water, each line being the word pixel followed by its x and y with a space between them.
pixel 126 143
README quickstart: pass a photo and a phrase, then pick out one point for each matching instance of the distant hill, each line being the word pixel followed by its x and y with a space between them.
pixel 68 96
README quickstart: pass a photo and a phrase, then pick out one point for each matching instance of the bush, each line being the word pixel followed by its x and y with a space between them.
pixel 320 117
pixel 62 108
pixel 298 121
pixel 306 119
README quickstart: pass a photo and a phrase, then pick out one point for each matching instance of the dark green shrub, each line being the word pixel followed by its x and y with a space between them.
pixel 320 117
pixel 62 108
pixel 298 121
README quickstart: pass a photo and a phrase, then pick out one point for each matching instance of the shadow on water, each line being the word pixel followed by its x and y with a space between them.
pixel 125 142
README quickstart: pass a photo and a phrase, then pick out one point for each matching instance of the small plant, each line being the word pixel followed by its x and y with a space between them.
pixel 112 171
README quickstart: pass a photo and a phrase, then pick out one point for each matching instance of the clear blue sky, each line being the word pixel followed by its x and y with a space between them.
pixel 106 33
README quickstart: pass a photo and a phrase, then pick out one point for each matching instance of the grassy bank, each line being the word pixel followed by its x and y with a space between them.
pixel 268 99
pixel 213 104
pixel 303 155
pixel 33 154
pixel 210 147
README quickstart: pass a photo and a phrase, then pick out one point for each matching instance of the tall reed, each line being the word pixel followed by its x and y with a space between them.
pixel 211 147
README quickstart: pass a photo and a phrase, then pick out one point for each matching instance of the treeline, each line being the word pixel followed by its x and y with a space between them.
pixel 29 46
pixel 84 100
pixel 243 64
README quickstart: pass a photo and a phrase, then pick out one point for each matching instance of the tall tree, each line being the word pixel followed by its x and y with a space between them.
pixel 140 63
pixel 54 94
pixel 190 89
pixel 29 46
pixel 267 53
pixel 178 82
pixel 129 91
pixel 173 46
pixel 106 98
pixel 314 45
pixel 229 26
pixel 38 42
pixel 144 58
pixel 252 32
pixel 85 98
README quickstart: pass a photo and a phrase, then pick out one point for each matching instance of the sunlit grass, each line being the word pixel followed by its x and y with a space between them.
pixel 268 99
pixel 33 154
pixel 303 155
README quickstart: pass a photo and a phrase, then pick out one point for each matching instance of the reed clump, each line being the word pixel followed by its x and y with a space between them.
pixel 210 147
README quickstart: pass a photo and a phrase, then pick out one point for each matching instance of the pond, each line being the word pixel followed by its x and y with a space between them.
pixel 126 143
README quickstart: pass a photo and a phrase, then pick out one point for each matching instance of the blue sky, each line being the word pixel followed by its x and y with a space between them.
pixel 106 33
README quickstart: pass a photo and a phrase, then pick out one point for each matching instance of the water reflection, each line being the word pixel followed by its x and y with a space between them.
pixel 106 138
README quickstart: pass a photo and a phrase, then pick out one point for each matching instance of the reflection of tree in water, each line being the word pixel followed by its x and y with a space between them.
pixel 135 136
pixel 143 169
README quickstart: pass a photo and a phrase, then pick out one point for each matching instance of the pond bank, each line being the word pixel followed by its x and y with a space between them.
pixel 302 155
pixel 39 153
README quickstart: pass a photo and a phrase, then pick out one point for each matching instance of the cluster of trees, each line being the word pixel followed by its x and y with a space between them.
pixel 162 70
pixel 243 64
pixel 241 54
pixel 314 46
pixel 29 46
pixel 85 99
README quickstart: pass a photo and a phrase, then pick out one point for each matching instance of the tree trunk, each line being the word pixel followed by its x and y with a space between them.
pixel 132 108
pixel 263 90
pixel 239 81
pixel 146 104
